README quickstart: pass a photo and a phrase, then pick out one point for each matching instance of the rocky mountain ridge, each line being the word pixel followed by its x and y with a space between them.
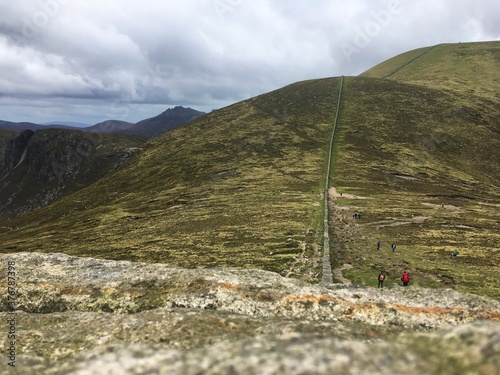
pixel 57 158
pixel 84 315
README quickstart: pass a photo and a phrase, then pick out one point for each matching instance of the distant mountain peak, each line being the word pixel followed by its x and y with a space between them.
pixel 169 119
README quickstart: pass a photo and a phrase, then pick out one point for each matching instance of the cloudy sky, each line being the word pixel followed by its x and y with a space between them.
pixel 91 60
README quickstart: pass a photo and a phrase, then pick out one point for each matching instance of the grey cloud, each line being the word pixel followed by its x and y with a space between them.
pixel 207 53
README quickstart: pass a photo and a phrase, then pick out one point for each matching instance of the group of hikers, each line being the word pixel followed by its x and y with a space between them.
pixel 393 246
pixel 405 278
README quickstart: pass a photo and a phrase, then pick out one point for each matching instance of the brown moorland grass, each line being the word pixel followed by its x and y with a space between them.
pixel 461 69
pixel 430 174
pixel 240 187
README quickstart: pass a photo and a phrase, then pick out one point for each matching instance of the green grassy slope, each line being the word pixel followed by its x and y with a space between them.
pixel 395 63
pixel 462 69
pixel 239 187
pixel 430 173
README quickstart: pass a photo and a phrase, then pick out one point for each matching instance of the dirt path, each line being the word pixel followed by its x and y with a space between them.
pixel 334 194
pixel 298 259
pixel 337 273
pixel 337 219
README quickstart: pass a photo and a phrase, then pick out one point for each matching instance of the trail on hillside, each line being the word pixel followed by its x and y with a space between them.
pixel 337 272
pixel 409 62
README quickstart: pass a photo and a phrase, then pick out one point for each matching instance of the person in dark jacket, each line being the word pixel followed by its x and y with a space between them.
pixel 381 278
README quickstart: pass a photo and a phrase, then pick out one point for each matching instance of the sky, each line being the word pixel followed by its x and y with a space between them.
pixel 88 61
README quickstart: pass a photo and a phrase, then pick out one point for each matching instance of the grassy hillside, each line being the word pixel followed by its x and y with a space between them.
pixel 389 67
pixel 462 69
pixel 425 151
pixel 239 187
pixel 415 154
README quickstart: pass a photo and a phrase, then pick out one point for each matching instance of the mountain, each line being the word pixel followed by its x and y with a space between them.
pixel 5 136
pixel 243 186
pixel 452 68
pixel 168 120
pixel 110 126
pixel 20 125
pixel 40 166
pixel 151 127
pixel 243 180
pixel 214 236
pixel 17 193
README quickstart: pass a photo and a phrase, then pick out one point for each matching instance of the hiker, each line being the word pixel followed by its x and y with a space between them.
pixel 405 278
pixel 393 247
pixel 381 278
pixel 454 254
pixel 378 245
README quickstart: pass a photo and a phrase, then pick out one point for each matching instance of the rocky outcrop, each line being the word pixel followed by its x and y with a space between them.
pixel 16 148
pixel 58 155
pixel 57 282
pixel 84 315
pixel 43 165
pixel 469 349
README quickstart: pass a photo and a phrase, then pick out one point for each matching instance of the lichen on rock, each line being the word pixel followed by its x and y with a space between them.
pixel 85 315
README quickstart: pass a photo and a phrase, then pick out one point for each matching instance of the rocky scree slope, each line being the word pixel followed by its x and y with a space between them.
pixel 84 315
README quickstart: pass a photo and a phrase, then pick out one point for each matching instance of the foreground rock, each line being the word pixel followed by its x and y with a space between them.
pixel 87 316
pixel 469 349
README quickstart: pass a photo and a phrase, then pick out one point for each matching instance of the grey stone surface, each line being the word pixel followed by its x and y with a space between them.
pixel 91 316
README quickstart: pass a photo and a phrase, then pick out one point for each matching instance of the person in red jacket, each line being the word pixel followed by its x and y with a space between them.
pixel 405 278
